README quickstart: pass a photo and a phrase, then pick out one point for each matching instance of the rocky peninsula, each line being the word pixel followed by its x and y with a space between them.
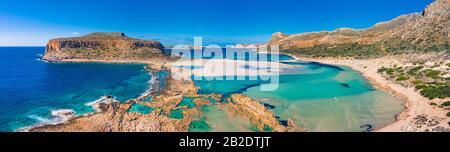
pixel 113 116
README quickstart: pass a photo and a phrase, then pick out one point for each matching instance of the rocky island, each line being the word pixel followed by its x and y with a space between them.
pixel 100 46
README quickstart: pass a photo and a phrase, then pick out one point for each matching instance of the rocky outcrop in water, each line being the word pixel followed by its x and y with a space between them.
pixel 258 115
pixel 104 46
pixel 419 32
pixel 113 116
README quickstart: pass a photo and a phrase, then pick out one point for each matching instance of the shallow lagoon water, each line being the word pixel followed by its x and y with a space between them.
pixel 334 101
pixel 141 109
pixel 218 120
pixel 318 97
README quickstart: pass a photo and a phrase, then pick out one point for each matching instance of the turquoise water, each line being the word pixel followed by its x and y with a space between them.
pixel 331 100
pixel 221 53
pixel 177 114
pixel 218 120
pixel 318 97
pixel 141 109
pixel 147 99
pixel 30 89
pixel 199 126
pixel 189 102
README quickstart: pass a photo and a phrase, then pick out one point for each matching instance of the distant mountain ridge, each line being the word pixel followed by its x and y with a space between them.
pixel 418 32
pixel 104 46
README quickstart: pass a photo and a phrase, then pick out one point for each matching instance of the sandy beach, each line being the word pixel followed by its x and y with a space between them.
pixel 226 67
pixel 418 116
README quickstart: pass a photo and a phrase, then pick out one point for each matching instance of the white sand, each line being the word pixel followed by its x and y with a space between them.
pixel 227 67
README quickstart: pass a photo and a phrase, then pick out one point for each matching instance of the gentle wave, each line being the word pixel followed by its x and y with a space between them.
pixel 155 85
pixel 39 59
pixel 58 117
pixel 147 92
pixel 103 100
pixel 63 115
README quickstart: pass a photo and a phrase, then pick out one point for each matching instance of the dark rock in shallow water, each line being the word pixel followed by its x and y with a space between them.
pixel 268 106
pixel 284 122
pixel 345 85
pixel 367 128
pixel 327 65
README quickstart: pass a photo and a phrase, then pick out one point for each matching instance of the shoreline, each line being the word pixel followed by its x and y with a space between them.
pixel 95 104
pixel 414 103
pixel 150 64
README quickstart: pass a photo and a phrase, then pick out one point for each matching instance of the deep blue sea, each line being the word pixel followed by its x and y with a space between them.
pixel 30 89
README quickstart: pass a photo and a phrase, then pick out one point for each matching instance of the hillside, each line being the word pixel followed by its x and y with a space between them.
pixel 418 32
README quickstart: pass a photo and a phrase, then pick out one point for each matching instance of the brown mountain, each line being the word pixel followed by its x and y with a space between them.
pixel 104 46
pixel 418 32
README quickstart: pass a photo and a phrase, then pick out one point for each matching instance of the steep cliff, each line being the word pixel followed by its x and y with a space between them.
pixel 425 32
pixel 104 46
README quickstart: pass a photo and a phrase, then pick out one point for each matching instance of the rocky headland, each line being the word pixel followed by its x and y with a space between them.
pixel 104 47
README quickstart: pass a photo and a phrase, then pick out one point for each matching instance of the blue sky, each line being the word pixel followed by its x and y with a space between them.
pixel 33 22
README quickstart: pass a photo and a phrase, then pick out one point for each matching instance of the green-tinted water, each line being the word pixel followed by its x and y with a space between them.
pixel 176 114
pixel 189 102
pixel 316 96
pixel 330 101
pixel 218 120
pixel 141 109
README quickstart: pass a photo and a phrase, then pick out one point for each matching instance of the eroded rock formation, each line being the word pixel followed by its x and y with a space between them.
pixel 104 46
pixel 113 116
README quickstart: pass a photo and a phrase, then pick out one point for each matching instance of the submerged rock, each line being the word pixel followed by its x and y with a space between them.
pixel 269 106
pixel 258 115
pixel 65 114
pixel 102 103
pixel 345 85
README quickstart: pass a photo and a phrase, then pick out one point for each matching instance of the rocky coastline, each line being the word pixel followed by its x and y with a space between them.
pixel 113 116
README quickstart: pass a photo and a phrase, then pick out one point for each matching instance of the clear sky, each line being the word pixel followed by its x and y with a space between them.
pixel 33 22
